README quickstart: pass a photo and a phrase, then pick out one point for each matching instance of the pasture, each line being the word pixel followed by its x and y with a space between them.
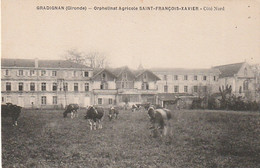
pixel 199 139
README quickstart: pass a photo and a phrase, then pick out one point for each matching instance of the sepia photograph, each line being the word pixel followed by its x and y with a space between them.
pixel 130 84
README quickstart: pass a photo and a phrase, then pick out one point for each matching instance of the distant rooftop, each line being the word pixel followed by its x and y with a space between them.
pixel 229 70
pixel 6 62
pixel 184 70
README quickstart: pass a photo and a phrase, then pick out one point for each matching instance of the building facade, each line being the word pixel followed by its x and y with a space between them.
pixel 187 81
pixel 124 86
pixel 240 77
pixel 45 83
pixel 57 83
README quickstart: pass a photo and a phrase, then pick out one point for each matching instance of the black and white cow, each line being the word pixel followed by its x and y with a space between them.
pixel 134 107
pixel 113 113
pixel 72 109
pixel 11 110
pixel 160 120
pixel 95 115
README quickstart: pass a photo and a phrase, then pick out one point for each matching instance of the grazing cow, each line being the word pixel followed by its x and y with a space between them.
pixel 113 112
pixel 159 119
pixel 11 110
pixel 72 109
pixel 134 107
pixel 94 115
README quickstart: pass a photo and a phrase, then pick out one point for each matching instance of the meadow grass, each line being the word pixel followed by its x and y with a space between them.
pixel 198 138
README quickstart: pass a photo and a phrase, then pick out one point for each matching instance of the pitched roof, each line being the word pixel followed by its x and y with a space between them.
pixel 184 70
pixel 140 72
pixel 118 71
pixel 6 62
pixel 229 70
pixel 97 71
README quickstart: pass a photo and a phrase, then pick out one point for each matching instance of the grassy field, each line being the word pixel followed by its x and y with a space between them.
pixel 198 139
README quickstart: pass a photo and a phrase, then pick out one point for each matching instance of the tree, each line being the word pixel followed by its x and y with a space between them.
pixel 92 59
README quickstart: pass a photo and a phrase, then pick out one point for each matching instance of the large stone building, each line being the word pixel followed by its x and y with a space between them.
pixel 45 83
pixel 57 83
pixel 185 83
pixel 240 77
pixel 123 85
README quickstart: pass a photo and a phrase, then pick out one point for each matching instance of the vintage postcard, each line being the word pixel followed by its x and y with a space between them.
pixel 130 83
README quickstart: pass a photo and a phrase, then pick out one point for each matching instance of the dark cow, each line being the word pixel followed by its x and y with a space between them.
pixel 113 113
pixel 94 115
pixel 11 110
pixel 72 109
pixel 160 120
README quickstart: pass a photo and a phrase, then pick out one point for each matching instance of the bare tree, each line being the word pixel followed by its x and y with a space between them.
pixel 92 59
pixel 75 56
pixel 97 59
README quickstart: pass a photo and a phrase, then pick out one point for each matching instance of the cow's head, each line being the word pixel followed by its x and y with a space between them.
pixel 151 113
pixel 65 114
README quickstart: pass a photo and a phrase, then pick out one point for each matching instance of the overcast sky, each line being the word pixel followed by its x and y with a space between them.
pixel 199 39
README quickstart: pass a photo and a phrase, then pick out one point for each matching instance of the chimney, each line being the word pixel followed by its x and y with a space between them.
pixel 36 62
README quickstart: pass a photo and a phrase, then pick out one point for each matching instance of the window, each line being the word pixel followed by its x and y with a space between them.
pixel 6 72
pixel 185 89
pixel 214 78
pixel 3 99
pixel 76 87
pixel 240 89
pixel 110 101
pixel 65 86
pixel 195 89
pixel 204 77
pixel 145 86
pixel 43 100
pixel 43 72
pixel 124 84
pixel 32 86
pixel 54 100
pixel 8 86
pixel 245 85
pixel 20 87
pixel 20 72
pixel 195 77
pixel 86 74
pixel 176 89
pixel 32 72
pixel 86 87
pixel 175 77
pixel 54 73
pixel 166 88
pixel 185 77
pixel 54 86
pixel 43 86
pixel 103 85
pixel 164 77
pixel 99 100
pixel 103 76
